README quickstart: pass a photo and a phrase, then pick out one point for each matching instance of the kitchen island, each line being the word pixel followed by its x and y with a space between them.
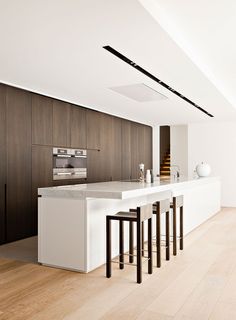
pixel 72 219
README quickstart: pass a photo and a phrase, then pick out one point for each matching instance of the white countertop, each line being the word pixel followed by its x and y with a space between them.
pixel 121 189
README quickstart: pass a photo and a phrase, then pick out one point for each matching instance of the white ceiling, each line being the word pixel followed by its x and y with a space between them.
pixel 205 30
pixel 55 48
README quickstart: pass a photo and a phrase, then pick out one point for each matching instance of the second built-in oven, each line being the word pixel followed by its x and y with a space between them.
pixel 69 163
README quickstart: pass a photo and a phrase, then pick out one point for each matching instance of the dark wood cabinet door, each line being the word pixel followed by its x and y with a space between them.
pixel 93 129
pixel 125 150
pixel 41 120
pixel 78 127
pixel 115 149
pixel 148 147
pixel 61 123
pixel 106 148
pixel 135 156
pixel 110 154
pixel 94 173
pixel 141 148
pixel 19 216
pixel 105 165
pixel 42 175
pixel 2 163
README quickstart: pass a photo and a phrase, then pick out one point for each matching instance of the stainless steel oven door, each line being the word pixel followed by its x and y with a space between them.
pixel 66 174
pixel 69 164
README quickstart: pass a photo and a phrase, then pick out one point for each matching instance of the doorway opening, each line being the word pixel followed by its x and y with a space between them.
pixel 165 160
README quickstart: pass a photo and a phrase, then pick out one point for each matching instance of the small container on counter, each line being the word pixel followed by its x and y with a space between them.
pixel 148 176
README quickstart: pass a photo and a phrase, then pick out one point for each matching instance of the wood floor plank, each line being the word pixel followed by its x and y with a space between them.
pixel 150 315
pixel 172 299
pixel 198 284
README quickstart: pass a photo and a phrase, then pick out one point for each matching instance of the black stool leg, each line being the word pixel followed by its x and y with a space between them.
pixel 142 238
pixel 150 246
pixel 131 242
pixel 167 236
pixel 121 245
pixel 181 229
pixel 158 237
pixel 174 229
pixel 139 251
pixel 108 244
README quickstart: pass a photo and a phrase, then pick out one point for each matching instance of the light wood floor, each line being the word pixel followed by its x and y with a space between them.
pixel 199 284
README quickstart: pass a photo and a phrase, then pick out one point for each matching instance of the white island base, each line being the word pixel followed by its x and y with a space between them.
pixel 72 219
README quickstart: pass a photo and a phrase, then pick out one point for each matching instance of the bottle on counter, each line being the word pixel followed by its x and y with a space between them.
pixel 152 176
pixel 148 176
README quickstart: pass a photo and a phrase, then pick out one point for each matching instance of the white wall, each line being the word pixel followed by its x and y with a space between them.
pixel 179 147
pixel 215 144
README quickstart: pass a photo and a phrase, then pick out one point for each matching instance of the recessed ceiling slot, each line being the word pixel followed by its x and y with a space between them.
pixel 148 74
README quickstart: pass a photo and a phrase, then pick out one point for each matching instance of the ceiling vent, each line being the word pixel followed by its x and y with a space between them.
pixel 139 92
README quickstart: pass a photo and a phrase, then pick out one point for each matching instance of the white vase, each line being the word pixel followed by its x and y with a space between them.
pixel 148 176
pixel 203 169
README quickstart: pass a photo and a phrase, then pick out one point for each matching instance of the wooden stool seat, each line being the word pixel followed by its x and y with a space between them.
pixel 125 216
pixel 138 215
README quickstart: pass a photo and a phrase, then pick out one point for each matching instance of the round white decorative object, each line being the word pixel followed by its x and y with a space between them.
pixel 203 169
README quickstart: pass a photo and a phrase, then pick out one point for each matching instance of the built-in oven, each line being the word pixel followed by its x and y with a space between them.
pixel 69 163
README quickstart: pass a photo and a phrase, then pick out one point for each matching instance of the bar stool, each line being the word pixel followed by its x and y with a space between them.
pixel 178 202
pixel 160 207
pixel 141 214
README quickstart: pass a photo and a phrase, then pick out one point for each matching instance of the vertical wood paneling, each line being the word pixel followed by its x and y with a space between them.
pixel 78 127
pixel 41 174
pixel 61 123
pixel 2 160
pixel 125 150
pixel 28 119
pixel 115 149
pixel 93 129
pixel 41 120
pixel 19 215
pixel 135 158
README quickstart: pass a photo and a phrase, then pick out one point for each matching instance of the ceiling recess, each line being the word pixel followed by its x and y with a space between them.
pixel 139 92
pixel 148 74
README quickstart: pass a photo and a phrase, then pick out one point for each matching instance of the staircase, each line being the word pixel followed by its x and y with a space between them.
pixel 165 166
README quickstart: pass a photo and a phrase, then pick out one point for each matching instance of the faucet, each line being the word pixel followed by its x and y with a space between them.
pixel 177 170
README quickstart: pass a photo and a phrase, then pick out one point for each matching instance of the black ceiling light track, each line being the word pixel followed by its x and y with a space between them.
pixel 148 74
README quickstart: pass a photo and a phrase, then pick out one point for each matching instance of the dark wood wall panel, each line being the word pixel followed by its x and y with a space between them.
pixel 2 161
pixel 41 120
pixel 19 216
pixel 105 153
pixel 93 129
pixel 41 175
pixel 115 149
pixel 61 123
pixel 78 127
pixel 31 124
pixel 148 147
pixel 125 150
pixel 135 158
pixel 94 166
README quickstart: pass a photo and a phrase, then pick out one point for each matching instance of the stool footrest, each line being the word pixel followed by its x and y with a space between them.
pixel 163 235
pixel 144 259
pixel 125 263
